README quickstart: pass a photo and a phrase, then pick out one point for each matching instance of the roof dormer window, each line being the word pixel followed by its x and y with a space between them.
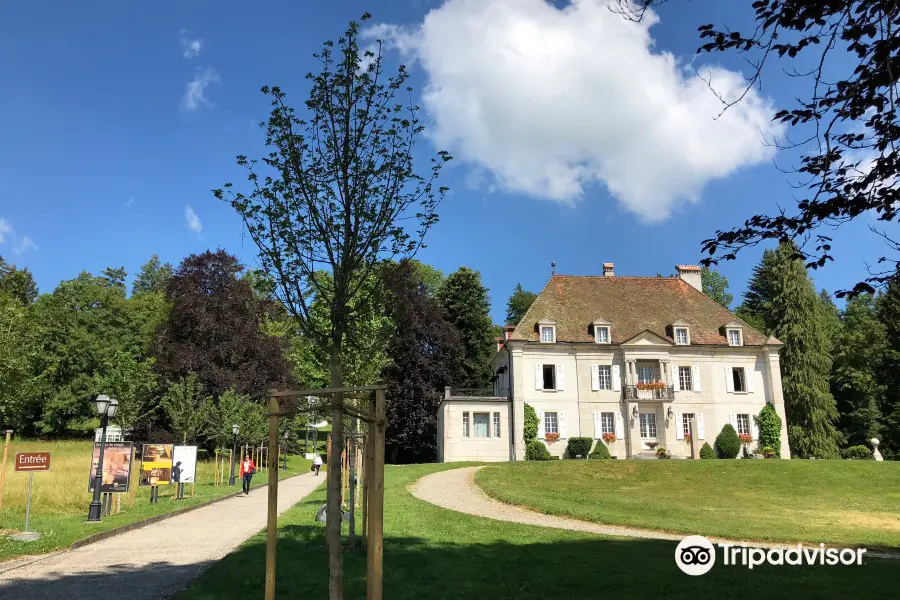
pixel 681 336
pixel 735 338
pixel 547 331
pixel 601 331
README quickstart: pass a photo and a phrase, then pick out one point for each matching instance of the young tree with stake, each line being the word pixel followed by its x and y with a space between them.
pixel 334 194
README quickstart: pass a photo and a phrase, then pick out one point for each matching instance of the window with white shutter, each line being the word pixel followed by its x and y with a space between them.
pixel 560 378
pixel 695 371
pixel 604 377
pixel 616 378
pixel 620 426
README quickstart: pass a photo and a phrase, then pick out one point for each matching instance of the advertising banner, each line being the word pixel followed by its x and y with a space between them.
pixel 116 475
pixel 185 459
pixel 156 464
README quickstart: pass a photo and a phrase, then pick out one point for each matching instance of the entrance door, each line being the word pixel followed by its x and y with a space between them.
pixel 648 429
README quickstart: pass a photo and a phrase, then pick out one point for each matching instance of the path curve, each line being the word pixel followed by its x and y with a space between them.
pixel 155 561
pixel 456 490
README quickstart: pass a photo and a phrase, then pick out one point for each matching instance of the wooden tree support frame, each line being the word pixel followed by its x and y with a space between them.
pixel 373 482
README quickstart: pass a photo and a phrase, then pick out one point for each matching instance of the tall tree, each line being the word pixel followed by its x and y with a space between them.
pixel 846 53
pixel 214 329
pixel 889 316
pixel 466 306
pixel 831 319
pixel 518 304
pixel 19 284
pixel 782 296
pixel 425 356
pixel 188 407
pixel 153 277
pixel 133 383
pixel 339 189
pixel 857 382
pixel 115 277
pixel 15 351
pixel 715 285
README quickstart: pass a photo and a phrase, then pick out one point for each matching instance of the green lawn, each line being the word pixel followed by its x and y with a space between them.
pixel 60 498
pixel 434 553
pixel 840 502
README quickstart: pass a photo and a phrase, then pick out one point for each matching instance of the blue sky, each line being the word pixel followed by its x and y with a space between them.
pixel 103 152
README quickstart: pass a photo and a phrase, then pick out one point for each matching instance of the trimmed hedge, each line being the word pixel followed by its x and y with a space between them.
pixel 769 428
pixel 536 450
pixel 728 444
pixel 856 453
pixel 601 451
pixel 706 452
pixel 579 446
pixel 530 426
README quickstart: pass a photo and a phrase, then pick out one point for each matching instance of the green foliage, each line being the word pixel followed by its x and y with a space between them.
pixel 579 446
pixel 706 452
pixel 19 284
pixel 831 318
pixel 536 450
pixel 600 452
pixel 715 285
pixel 769 451
pixel 188 407
pixel 888 313
pixel 15 349
pixel 115 279
pixel 728 444
pixel 153 277
pixel 782 295
pixel 466 306
pixel 857 379
pixel 769 424
pixel 133 383
pixel 531 424
pixel 857 453
pixel 518 305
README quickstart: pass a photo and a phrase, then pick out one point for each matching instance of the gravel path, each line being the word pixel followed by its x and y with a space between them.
pixel 456 490
pixel 153 562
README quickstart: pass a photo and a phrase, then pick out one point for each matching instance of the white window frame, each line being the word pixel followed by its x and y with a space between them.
pixel 487 428
pixel 741 430
pixel 544 387
pixel 641 368
pixel 607 383
pixel 685 383
pixel 601 334
pixel 646 420
pixel 496 424
pixel 744 376
pixel 607 426
pixel 687 336
pixel 466 424
pixel 740 336
pixel 686 422
pixel 551 418
pixel 551 329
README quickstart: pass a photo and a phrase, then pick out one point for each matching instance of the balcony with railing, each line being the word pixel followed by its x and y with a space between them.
pixel 657 391
pixel 464 392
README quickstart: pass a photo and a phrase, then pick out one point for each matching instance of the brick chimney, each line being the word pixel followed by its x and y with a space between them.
pixel 690 274
pixel 608 270
pixel 507 331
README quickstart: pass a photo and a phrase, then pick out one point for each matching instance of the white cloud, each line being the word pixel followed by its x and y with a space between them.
pixel 18 244
pixel 192 220
pixel 190 48
pixel 195 92
pixel 548 101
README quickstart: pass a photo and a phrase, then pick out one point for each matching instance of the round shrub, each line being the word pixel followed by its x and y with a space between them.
pixel 530 426
pixel 728 444
pixel 600 452
pixel 579 446
pixel 536 450
pixel 769 428
pixel 856 453
pixel 768 452
pixel 706 452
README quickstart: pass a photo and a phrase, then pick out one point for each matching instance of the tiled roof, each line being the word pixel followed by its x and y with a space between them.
pixel 633 305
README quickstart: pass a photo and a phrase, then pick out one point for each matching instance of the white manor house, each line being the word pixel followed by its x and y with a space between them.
pixel 650 360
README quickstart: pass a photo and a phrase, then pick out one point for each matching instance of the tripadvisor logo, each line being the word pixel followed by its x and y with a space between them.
pixel 696 555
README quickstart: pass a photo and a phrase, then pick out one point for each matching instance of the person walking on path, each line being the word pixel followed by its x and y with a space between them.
pixel 176 477
pixel 248 470
pixel 317 464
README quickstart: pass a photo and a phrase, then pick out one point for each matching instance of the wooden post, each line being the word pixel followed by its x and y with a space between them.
pixel 272 521
pixel 367 453
pixel 375 562
pixel 222 469
pixel 3 468
pixel 132 485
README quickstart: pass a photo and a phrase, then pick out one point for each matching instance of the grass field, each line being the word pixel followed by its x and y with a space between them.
pixel 434 553
pixel 840 502
pixel 60 498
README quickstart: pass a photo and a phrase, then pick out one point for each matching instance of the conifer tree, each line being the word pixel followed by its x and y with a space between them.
pixel 518 304
pixel 781 295
pixel 889 315
pixel 465 304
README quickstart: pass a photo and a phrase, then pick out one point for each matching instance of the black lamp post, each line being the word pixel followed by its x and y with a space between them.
pixel 285 450
pixel 106 408
pixel 235 429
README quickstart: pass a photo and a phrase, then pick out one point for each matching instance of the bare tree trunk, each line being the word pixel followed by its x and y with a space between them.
pixel 333 506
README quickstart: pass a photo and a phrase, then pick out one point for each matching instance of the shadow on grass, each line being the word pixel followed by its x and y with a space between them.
pixel 415 568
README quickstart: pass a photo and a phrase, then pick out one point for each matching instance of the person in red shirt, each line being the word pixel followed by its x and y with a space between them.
pixel 248 470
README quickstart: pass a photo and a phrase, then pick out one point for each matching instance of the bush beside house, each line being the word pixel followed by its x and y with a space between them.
pixel 536 450
pixel 579 446
pixel 728 444
pixel 600 452
pixel 856 453
pixel 706 452
pixel 769 428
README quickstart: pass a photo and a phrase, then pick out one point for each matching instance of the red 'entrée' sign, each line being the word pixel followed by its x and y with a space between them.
pixel 32 461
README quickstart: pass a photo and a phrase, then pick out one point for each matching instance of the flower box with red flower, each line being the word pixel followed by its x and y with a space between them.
pixel 656 385
pixel 688 438
pixel 609 438
pixel 746 438
pixel 551 437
